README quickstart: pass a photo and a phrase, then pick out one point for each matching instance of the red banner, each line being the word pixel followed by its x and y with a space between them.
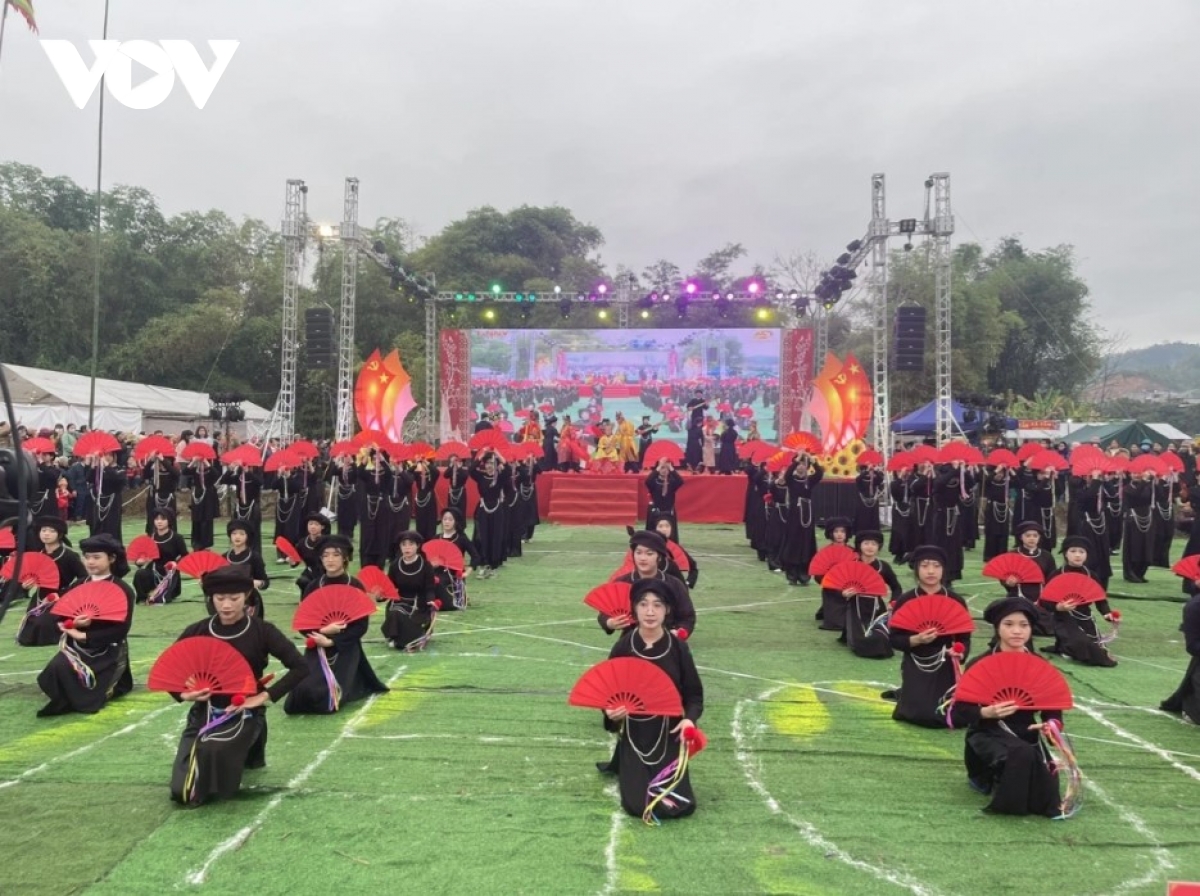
pixel 454 376
pixel 795 376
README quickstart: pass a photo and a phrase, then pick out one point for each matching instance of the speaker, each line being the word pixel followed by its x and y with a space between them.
pixel 909 349
pixel 318 337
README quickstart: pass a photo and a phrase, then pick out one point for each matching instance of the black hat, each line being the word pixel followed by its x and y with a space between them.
pixel 654 516
pixel 58 524
pixel 648 539
pixel 166 513
pixel 553 418
pixel 459 520
pixel 338 542
pixel 928 552
pixel 1006 606
pixel 1030 526
pixel 233 525
pixel 317 517
pixel 232 578
pixel 411 535
pixel 837 522
pixel 642 587
pixel 107 544
pixel 1075 541
pixel 868 535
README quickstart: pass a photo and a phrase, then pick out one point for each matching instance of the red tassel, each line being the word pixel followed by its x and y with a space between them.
pixel 238 700
pixel 1116 615
pixel 681 634
pixel 310 643
pixel 436 604
pixel 68 623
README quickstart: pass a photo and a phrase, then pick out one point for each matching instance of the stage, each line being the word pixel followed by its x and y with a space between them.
pixel 703 498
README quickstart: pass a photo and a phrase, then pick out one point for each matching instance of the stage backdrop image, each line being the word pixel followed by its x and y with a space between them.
pixel 592 374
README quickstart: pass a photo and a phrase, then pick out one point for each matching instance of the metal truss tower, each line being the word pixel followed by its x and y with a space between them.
pixel 345 370
pixel 432 363
pixel 939 225
pixel 877 238
pixel 295 234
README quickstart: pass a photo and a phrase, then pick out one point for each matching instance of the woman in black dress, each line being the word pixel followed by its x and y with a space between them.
pixel 309 547
pixel 652 560
pixel 407 620
pixel 105 484
pixel 832 612
pixel 1075 632
pixel 489 537
pixel 152 573
pixel 926 670
pixel 1004 756
pixel 92 666
pixel 1029 544
pixel 206 502
pixel 663 485
pixel 246 483
pixel 727 459
pixel 646 745
pixel 866 632
pixel 241 553
pixel 426 476
pixel 997 511
pixel 161 474
pixel 664 525
pixel 449 587
pixel 220 741
pixel 1186 699
pixel 39 627
pixel 343 479
pixel 456 484
pixel 869 487
pixel 800 533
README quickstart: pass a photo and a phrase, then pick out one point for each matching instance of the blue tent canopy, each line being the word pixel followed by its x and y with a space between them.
pixel 923 421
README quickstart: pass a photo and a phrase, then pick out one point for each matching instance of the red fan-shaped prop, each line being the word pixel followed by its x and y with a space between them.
pixel 935 611
pixel 198 451
pixel 420 450
pixel 446 450
pixel 201 663
pixel 99 600
pixel 38 567
pixel 372 438
pixel 924 454
pixel 488 438
pixel 141 549
pixel 1171 461
pixel 829 557
pixel 280 460
pixel 1073 587
pixel 332 604
pixel 40 445
pixel 901 460
pixel 763 452
pixel 1188 567
pixel 243 455
pixel 780 461
pixel 1021 678
pixel 869 458
pixel 197 563
pixel 1029 449
pixel 8 541
pixel 1004 566
pixel 610 599
pixel 1146 463
pixel 679 555
pixel 288 550
pixel 377 584
pixel 347 448
pixel 959 451
pixel 305 449
pixel 659 450
pixel 96 442
pixel 802 441
pixel 441 552
pixel 862 577
pixel 1048 460
pixel 636 684
pixel 534 449
pixel 1088 464
pixel 745 450
pixel 1002 457
pixel 153 445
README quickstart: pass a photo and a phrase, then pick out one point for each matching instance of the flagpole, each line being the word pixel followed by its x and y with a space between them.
pixel 3 22
pixel 97 250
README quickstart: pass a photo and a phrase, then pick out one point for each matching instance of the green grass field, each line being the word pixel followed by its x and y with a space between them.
pixel 473 774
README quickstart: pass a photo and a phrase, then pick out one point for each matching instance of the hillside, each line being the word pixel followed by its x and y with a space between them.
pixel 1168 367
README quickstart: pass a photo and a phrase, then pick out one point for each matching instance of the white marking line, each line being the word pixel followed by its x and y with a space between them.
pixel 7 656
pixel 200 875
pixel 1146 745
pixel 490 739
pixel 1162 859
pixel 611 866
pixel 79 751
pixel 807 831
pixel 1133 659
pixel 1129 746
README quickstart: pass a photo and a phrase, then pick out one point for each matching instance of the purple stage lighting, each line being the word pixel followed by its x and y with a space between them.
pixel 691 289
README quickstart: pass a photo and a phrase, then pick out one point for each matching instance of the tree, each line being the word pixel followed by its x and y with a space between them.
pixel 712 271
pixel 663 276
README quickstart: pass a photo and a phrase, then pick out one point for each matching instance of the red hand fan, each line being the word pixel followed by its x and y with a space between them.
pixel 745 450
pixel 802 441
pixel 304 449
pixel 959 451
pixel 636 684
pixel 456 449
pixel 935 611
pixel 332 604
pixel 420 450
pixel 142 548
pixel 869 458
pixel 198 451
pixel 763 452
pixel 153 445
pixel 488 438
pixel 96 442
pixel 780 461
pixel 347 448
pixel 1146 463
pixel 99 600
pixel 829 557
pixel 198 563
pixel 611 599
pixel 377 584
pixel 1074 587
pixel 1003 566
pixel 1171 462
pixel 288 550
pixel 246 455
pixel 39 446
pixel 924 454
pixel 679 555
pixel 901 460
pixel 659 450
pixel 1188 567
pixel 8 541
pixel 1002 457
pixel 1021 678
pixel 285 459
pixel 200 663
pixel 1028 450
pixel 1048 460
pixel 38 567
pixel 862 577
pixel 445 553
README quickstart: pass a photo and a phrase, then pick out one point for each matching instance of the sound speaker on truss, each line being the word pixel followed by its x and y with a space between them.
pixel 318 337
pixel 909 350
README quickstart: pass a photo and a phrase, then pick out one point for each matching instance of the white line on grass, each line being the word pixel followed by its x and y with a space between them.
pixel 1162 859
pixel 611 867
pixel 808 832
pixel 1164 755
pixel 489 739
pixel 133 726
pixel 200 875
pixel 1129 746
pixel 1133 659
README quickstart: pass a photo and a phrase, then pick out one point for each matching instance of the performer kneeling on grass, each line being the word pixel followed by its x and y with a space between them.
pixel 1004 756
pixel 39 627
pixel 651 560
pixel 1186 699
pixel 210 764
pixel 926 672
pixel 408 619
pixel 1075 632
pixel 647 744
pixel 866 631
pixel 241 552
pixel 92 666
pixel 333 553
pixel 151 573
pixel 452 589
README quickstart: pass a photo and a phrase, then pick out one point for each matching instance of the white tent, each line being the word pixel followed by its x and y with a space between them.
pixel 42 398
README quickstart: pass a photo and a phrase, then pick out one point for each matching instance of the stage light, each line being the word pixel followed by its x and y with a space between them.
pixel 681 306
pixel 779 295
pixel 525 314
pixel 532 297
pixel 458 297
pixel 593 298
pixel 602 289
pixel 752 288
pixel 854 246
pixel 844 258
pixel 558 290
pixel 645 314
pixel 580 297
pixel 496 290
pixel 519 297
pixel 722 307
pixel 763 314
pixel 730 296
pixel 800 303
pixel 489 314
pixel 690 289
pixel 564 308
pixel 602 314
pixel 793 295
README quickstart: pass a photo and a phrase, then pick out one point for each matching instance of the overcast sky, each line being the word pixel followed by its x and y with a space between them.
pixel 675 126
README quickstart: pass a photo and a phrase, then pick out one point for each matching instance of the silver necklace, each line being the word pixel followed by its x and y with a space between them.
pixel 212 631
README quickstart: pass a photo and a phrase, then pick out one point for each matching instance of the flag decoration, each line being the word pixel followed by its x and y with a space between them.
pixel 25 8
